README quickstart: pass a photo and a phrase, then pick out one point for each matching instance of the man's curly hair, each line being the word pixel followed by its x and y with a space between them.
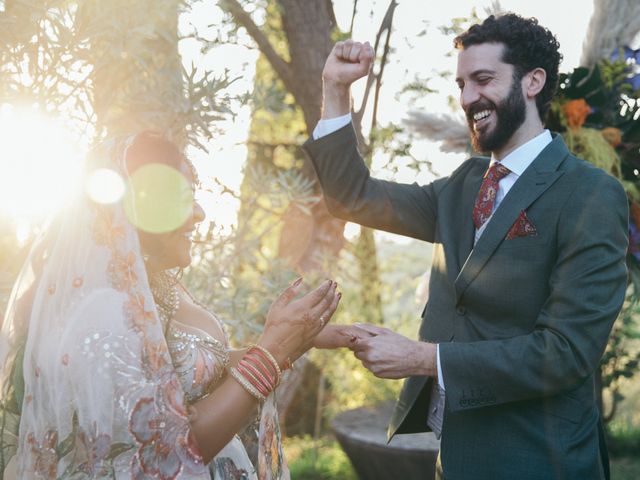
pixel 528 45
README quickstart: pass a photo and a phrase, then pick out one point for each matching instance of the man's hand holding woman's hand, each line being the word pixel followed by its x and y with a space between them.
pixel 388 354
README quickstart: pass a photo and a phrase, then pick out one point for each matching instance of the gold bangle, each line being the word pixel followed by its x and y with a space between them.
pixel 246 384
pixel 271 359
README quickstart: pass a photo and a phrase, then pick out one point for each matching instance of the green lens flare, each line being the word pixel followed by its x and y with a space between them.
pixel 159 198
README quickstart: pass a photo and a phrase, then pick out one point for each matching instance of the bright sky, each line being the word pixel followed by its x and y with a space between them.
pixel 415 54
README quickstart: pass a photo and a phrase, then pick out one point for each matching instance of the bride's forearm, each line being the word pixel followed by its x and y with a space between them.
pixel 220 415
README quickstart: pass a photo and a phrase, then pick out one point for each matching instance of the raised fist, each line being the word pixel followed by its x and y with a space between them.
pixel 347 62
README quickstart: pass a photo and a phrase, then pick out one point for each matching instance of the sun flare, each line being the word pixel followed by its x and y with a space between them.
pixel 40 165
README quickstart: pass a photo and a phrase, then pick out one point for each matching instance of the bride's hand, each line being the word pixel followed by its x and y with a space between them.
pixel 292 325
pixel 339 336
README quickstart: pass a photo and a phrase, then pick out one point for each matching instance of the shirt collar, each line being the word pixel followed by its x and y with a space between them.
pixel 518 160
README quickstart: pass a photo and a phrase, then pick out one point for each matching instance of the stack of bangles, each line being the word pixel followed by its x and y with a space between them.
pixel 257 372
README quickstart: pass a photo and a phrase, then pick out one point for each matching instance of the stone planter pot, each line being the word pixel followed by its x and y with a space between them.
pixel 362 434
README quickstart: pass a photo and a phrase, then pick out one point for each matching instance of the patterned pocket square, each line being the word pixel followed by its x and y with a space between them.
pixel 522 227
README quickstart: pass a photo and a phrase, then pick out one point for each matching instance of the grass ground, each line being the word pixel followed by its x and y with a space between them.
pixel 324 460
pixel 321 459
pixel 625 468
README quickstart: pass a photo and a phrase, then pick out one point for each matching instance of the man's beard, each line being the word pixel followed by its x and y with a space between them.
pixel 509 113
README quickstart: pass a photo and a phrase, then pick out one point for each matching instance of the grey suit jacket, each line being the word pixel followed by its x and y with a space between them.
pixel 522 323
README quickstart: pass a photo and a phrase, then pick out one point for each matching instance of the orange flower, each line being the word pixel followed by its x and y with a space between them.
pixel 576 112
pixel 612 135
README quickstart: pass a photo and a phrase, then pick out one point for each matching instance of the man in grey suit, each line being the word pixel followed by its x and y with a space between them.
pixel 528 273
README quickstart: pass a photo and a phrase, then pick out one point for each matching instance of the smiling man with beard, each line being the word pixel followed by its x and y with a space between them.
pixel 528 271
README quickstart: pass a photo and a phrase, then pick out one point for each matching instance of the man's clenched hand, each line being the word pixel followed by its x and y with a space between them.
pixel 347 62
pixel 390 355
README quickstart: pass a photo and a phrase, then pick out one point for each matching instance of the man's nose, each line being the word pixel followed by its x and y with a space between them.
pixel 468 96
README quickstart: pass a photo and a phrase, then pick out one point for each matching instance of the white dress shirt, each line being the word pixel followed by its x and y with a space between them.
pixel 516 161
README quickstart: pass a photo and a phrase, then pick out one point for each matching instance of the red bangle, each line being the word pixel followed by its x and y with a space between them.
pixel 252 380
pixel 251 368
pixel 250 356
pixel 269 361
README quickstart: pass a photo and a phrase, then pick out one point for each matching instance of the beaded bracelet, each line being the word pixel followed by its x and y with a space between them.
pixel 240 378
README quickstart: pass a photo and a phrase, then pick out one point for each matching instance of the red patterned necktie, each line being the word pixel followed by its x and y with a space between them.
pixel 487 195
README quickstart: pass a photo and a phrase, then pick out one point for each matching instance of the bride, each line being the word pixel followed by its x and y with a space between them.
pixel 111 369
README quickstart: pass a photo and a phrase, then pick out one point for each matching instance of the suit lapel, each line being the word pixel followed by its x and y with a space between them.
pixel 537 178
pixel 469 193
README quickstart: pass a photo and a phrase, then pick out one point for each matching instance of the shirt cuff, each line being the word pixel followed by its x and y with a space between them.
pixel 329 125
pixel 440 379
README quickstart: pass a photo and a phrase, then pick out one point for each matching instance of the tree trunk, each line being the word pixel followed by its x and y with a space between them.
pixel 308 26
pixel 305 241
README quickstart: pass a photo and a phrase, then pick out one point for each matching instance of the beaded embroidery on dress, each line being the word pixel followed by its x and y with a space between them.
pixel 89 385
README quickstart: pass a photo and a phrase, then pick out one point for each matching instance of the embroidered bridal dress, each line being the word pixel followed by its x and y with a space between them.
pixel 93 384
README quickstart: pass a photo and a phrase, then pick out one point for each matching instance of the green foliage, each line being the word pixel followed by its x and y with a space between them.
pixel 110 68
pixel 620 360
pixel 606 90
pixel 623 439
pixel 320 459
pixel 402 268
pixel 237 274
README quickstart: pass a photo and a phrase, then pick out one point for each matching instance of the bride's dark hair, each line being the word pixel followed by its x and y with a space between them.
pixel 151 146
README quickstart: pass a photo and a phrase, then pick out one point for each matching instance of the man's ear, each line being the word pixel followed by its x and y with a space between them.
pixel 534 82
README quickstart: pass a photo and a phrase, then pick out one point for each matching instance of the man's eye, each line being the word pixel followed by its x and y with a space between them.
pixel 484 80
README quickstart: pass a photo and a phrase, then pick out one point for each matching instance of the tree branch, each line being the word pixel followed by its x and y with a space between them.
pixel 281 67
pixel 385 25
pixel 383 63
pixel 353 17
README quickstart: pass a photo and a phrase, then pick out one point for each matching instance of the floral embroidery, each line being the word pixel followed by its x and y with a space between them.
pixel 159 424
pixel 92 452
pixel 45 458
pixel 155 356
pixel 65 359
pixel 227 469
pixel 135 312
pixel 159 432
pixel 104 231
pixel 270 457
pixel 52 289
pixel 77 282
pixel 122 272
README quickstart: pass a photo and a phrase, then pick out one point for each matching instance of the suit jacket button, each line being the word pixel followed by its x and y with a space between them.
pixel 460 310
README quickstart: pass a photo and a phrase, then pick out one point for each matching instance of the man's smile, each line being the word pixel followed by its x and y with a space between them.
pixel 481 119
